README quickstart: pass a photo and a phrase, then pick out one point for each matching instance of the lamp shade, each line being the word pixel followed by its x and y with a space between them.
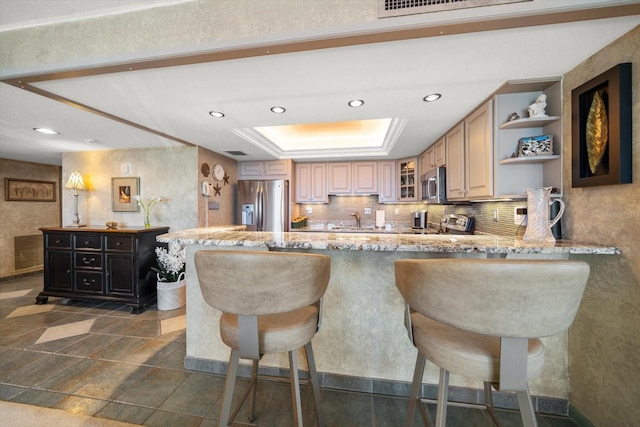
pixel 75 182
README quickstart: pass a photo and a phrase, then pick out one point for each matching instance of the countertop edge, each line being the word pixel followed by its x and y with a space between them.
pixel 229 236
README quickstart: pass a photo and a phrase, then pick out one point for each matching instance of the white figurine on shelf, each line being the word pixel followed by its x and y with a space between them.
pixel 537 108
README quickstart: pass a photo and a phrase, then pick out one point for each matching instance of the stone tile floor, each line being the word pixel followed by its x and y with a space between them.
pixel 97 359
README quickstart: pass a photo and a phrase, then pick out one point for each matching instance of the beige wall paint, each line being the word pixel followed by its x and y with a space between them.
pixel 604 342
pixel 170 173
pixel 24 218
pixel 227 198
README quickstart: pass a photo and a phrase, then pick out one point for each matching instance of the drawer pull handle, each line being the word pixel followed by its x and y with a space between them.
pixel 88 282
pixel 119 244
pixel 87 242
pixel 58 241
pixel 90 261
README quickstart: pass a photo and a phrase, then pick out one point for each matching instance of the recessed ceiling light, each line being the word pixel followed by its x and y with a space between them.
pixel 46 131
pixel 278 110
pixel 432 97
pixel 216 114
pixel 356 103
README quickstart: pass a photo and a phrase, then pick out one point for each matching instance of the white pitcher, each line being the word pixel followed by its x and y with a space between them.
pixel 538 223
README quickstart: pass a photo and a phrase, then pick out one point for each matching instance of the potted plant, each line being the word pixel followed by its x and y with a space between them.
pixel 170 274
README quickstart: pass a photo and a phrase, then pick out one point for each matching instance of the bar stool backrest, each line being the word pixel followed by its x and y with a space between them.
pixel 498 297
pixel 259 283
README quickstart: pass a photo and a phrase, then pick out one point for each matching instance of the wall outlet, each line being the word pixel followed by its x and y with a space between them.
pixel 309 209
pixel 496 216
pixel 367 211
pixel 520 215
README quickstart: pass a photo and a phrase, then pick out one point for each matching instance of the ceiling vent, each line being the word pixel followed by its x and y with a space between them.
pixel 388 8
pixel 236 153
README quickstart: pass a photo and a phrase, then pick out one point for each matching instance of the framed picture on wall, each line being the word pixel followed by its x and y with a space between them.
pixel 122 191
pixel 27 190
pixel 601 122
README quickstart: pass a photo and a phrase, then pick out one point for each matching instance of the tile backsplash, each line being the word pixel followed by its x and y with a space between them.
pixel 340 208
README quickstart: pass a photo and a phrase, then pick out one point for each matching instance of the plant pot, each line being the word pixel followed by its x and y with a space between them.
pixel 172 295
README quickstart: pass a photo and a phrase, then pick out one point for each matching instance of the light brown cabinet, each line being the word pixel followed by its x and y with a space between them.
pixel 469 156
pixel 340 180
pixel 311 183
pixel 434 156
pixel 407 180
pixel 269 169
pixel 387 181
pixel 352 178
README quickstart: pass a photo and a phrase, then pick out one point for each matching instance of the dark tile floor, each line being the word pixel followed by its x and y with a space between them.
pixel 97 359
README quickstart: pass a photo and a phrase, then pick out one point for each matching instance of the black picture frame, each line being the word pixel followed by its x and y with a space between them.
pixel 614 87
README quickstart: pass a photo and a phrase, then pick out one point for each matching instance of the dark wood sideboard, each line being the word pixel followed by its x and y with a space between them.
pixel 101 264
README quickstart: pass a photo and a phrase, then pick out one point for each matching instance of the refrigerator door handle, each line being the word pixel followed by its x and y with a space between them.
pixel 260 209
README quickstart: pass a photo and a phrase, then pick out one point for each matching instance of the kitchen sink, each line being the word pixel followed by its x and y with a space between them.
pixel 352 229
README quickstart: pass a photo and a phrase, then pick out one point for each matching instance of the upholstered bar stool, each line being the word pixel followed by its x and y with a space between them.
pixel 482 318
pixel 271 303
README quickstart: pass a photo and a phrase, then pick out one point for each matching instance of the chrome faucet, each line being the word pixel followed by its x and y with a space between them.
pixel 357 215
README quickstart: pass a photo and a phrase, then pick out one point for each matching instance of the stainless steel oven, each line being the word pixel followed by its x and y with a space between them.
pixel 434 186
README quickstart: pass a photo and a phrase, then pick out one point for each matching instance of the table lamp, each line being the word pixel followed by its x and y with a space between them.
pixel 75 183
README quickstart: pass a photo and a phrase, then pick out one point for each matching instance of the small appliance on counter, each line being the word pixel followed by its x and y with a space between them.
pixel 419 219
pixel 457 224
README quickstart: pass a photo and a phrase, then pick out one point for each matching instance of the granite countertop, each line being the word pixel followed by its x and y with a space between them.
pixel 445 243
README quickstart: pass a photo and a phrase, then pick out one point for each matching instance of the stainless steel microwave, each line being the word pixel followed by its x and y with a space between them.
pixel 434 189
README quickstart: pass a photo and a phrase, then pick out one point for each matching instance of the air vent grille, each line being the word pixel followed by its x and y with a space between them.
pixel 236 153
pixel 388 8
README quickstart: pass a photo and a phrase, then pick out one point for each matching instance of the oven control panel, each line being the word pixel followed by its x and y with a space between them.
pixel 457 222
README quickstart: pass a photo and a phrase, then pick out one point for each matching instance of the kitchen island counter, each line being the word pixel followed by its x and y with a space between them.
pixel 362 344
pixel 442 243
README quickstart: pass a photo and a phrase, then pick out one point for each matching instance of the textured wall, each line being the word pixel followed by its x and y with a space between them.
pixel 24 218
pixel 167 29
pixel 170 173
pixel 227 197
pixel 604 342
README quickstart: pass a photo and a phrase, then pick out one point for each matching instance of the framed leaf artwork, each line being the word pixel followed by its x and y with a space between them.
pixel 601 129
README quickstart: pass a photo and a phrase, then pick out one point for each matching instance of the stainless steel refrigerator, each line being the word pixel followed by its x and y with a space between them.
pixel 264 205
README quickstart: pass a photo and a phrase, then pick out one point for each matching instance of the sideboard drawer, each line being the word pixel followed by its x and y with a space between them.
pixel 119 243
pixel 58 240
pixel 90 282
pixel 88 260
pixel 88 241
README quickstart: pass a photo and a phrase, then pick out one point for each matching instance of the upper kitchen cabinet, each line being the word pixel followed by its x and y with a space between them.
pixel 311 183
pixel 340 180
pixel 271 169
pixel 433 157
pixel 365 177
pixel 478 129
pixel 407 180
pixel 484 155
pixel 516 171
pixel 387 181
pixel 469 156
pixel 454 140
pixel 353 177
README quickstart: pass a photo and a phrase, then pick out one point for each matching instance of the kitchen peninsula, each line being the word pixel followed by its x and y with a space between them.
pixel 362 344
